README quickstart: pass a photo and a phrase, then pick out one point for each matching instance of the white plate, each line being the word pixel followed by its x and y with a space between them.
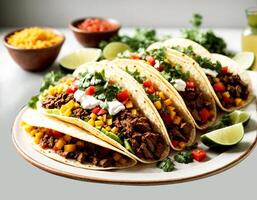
pixel 145 174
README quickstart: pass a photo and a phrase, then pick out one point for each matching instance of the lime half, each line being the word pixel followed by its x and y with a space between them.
pixel 73 60
pixel 113 49
pixel 239 116
pixel 224 137
pixel 245 59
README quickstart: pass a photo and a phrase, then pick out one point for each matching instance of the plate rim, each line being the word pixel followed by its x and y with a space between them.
pixel 75 176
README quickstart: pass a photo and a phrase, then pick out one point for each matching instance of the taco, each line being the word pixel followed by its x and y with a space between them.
pixel 178 122
pixel 191 90
pixel 109 104
pixel 71 145
pixel 229 84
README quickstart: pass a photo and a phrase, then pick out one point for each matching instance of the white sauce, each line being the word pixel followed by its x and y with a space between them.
pixel 180 85
pixel 115 107
pixel 78 95
pixel 157 64
pixel 210 72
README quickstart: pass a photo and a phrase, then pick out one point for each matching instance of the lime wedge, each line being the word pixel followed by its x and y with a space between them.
pixel 224 137
pixel 244 59
pixel 73 60
pixel 113 49
pixel 239 116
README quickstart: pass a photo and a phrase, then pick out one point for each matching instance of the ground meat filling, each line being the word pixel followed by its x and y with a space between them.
pixel 85 152
pixel 234 85
pixel 195 101
pixel 146 143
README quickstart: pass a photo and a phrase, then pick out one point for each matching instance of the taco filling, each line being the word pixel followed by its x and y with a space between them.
pixel 108 107
pixel 196 101
pixel 229 87
pixel 75 149
pixel 179 131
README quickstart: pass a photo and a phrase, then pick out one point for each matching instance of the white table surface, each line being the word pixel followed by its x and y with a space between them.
pixel 21 180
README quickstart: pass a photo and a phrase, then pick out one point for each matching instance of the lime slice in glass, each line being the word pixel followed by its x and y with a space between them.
pixel 239 116
pixel 73 60
pixel 244 59
pixel 224 137
pixel 113 49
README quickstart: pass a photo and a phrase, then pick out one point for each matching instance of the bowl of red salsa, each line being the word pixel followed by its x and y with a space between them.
pixel 91 31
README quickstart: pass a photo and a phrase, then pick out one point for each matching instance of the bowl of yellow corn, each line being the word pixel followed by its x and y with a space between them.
pixel 34 48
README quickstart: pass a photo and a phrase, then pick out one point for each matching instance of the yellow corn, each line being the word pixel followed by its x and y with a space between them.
pixel 182 145
pixel 162 95
pixel 39 135
pixel 91 122
pixel 93 116
pixel 158 105
pixel 134 112
pixel 51 90
pixel 67 138
pixel 37 140
pixel 108 128
pixel 172 114
pixel 109 122
pixel 59 144
pixel 99 123
pixel 59 89
pixel 69 81
pixel 70 147
pixel 33 132
pixel 100 118
pixel 114 130
pixel 238 101
pixel 67 113
pixel 28 128
pixel 177 120
pixel 104 118
pixel 170 108
pixel 76 105
pixel 80 143
pixel 226 94
pixel 167 102
pixel 116 156
pixel 129 104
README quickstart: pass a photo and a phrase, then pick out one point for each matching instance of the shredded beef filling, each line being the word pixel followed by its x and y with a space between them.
pixel 195 101
pixel 234 85
pixel 57 101
pixel 146 143
pixel 90 153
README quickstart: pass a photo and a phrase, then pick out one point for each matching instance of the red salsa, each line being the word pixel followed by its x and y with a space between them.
pixel 96 25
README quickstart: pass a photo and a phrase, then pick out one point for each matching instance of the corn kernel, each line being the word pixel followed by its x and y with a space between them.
pixel 162 95
pixel 238 101
pixel 59 90
pixel 109 122
pixel 104 118
pixel 28 128
pixel 99 123
pixel 91 122
pixel 134 112
pixel 172 114
pixel 93 116
pixel 182 145
pixel 170 108
pixel 67 138
pixel 59 144
pixel 158 105
pixel 108 128
pixel 177 120
pixel 39 135
pixel 129 104
pixel 70 147
pixel 67 113
pixel 33 132
pixel 37 140
pixel 226 94
pixel 76 105
pixel 168 102
pixel 115 130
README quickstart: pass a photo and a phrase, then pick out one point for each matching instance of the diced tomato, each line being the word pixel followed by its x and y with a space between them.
pixel 205 114
pixel 219 87
pixel 102 112
pixel 72 89
pixel 166 118
pixel 43 145
pixel 174 143
pixel 224 70
pixel 90 90
pixel 111 81
pixel 96 110
pixel 226 99
pixel 55 134
pixel 190 84
pixel 123 95
pixel 150 60
pixel 198 154
pixel 150 90
pixel 147 83
pixel 135 57
pixel 160 68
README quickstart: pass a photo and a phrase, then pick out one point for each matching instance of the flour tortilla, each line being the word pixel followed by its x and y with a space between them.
pixel 34 118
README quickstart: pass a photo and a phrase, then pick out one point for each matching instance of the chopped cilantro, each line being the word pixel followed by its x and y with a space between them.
pixel 166 165
pixel 136 75
pixel 153 97
pixel 184 157
pixel 224 122
pixel 33 101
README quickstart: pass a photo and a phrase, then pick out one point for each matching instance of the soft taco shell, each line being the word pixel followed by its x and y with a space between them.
pixel 150 73
pixel 139 98
pixel 34 118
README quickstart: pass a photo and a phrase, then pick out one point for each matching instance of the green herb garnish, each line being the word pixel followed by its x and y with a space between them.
pixel 136 75
pixel 153 97
pixel 33 101
pixel 184 157
pixel 224 122
pixel 166 165
pixel 51 78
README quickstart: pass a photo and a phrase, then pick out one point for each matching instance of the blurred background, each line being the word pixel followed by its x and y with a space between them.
pixel 156 13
